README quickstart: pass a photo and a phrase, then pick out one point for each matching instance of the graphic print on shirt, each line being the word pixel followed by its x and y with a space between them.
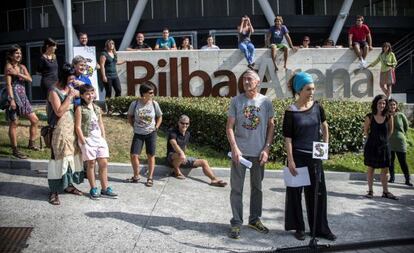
pixel 250 113
pixel 144 117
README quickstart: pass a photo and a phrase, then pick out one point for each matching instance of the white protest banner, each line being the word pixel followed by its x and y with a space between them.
pixel 89 53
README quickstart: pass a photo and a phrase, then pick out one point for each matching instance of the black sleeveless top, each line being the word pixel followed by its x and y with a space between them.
pixel 304 127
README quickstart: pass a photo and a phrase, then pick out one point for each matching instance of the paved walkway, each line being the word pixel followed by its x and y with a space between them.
pixel 187 215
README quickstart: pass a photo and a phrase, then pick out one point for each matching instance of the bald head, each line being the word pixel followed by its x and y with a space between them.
pixel 252 74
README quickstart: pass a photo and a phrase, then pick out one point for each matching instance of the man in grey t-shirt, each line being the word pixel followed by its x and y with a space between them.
pixel 249 129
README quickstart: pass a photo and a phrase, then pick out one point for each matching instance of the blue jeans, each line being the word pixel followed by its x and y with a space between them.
pixel 248 49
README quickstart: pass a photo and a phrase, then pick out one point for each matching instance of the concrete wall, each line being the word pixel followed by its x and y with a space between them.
pixel 336 72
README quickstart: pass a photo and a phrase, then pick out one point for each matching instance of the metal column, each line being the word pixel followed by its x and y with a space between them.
pixel 268 12
pixel 340 20
pixel 68 30
pixel 133 24
pixel 59 9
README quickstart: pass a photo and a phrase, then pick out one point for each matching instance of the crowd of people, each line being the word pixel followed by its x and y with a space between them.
pixel 78 138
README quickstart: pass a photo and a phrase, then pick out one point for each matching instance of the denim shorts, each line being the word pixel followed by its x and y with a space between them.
pixel 188 164
pixel 138 141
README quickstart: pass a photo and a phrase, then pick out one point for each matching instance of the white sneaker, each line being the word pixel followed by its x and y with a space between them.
pixel 364 63
pixel 361 65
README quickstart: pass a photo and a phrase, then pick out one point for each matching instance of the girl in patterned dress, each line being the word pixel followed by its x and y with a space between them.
pixel 15 75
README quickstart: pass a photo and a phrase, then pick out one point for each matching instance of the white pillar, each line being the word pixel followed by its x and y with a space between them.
pixel 133 24
pixel 340 20
pixel 268 12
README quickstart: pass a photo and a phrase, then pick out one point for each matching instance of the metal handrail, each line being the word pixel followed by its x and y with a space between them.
pixel 405 58
pixel 403 48
pixel 407 36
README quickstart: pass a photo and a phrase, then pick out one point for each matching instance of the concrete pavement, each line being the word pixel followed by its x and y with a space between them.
pixel 188 215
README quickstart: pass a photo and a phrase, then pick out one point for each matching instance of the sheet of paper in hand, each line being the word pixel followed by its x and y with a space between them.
pixel 301 179
pixel 320 150
pixel 243 161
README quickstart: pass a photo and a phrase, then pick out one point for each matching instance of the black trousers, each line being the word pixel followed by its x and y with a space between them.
pixel 402 158
pixel 293 203
pixel 116 84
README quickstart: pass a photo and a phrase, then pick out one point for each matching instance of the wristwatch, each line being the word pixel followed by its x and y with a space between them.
pixel 10 98
pixel 267 145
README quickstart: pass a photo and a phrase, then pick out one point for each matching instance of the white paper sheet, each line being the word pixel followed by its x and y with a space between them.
pixel 301 179
pixel 243 161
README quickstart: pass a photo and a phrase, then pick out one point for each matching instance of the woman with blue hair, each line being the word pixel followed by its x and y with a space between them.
pixel 302 124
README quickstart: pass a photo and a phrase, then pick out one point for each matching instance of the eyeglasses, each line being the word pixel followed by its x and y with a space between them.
pixel 184 123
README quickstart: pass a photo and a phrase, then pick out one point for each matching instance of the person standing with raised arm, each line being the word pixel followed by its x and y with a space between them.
pixel 250 128
pixel 246 29
pixel 15 75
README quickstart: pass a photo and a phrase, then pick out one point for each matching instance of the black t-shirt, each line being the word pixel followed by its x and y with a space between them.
pixel 136 46
pixel 49 70
pixel 304 126
pixel 182 140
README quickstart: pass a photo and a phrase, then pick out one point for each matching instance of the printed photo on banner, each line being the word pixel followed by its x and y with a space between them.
pixel 89 53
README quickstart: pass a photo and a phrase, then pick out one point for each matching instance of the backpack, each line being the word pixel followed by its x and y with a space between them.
pixel 4 99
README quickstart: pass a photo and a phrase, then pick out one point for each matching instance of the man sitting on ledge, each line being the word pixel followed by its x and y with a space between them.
pixel 178 139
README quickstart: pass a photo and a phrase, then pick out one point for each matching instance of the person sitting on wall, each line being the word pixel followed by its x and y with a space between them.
pixel 305 42
pixel 210 44
pixel 166 42
pixel 139 44
pixel 178 139
pixel 275 37
pixel 359 38
pixel 185 45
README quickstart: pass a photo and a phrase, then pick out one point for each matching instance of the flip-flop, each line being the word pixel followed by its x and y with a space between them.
pixel 219 183
pixel 181 177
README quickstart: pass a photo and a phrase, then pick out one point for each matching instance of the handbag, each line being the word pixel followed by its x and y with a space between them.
pixel 391 77
pixel 46 132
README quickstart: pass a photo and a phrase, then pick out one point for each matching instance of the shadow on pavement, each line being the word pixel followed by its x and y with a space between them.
pixel 24 191
pixel 156 223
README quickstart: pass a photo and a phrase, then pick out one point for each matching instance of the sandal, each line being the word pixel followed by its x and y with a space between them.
pixel 72 190
pixel 369 195
pixel 32 146
pixel 389 195
pixel 219 183
pixel 54 199
pixel 133 180
pixel 18 154
pixel 149 182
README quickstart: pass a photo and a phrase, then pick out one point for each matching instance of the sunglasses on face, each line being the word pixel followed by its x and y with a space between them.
pixel 184 123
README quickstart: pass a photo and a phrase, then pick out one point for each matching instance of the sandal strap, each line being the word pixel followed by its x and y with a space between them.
pixel 17 153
